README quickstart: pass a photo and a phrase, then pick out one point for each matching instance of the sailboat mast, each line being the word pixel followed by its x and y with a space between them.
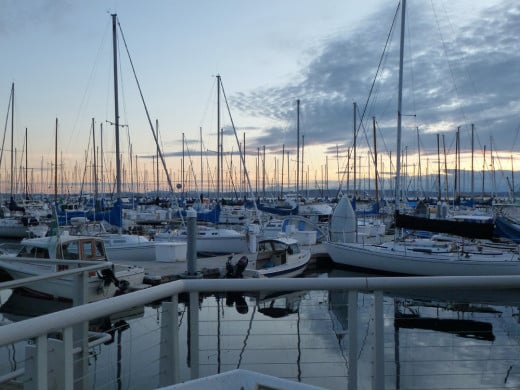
pixel 218 137
pixel 375 160
pixel 56 162
pixel 399 108
pixel 472 161
pixel 95 176
pixel 26 168
pixel 116 107
pixel 297 149
pixel 12 142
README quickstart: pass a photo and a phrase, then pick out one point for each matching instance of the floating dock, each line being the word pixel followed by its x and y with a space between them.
pixel 158 272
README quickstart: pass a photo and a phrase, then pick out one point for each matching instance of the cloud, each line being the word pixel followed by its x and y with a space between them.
pixel 452 77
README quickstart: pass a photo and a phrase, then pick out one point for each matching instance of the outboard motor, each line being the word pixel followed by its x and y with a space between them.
pixel 108 277
pixel 234 271
pixel 241 266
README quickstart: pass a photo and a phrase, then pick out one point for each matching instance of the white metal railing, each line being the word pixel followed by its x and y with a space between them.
pixel 70 320
pixel 82 267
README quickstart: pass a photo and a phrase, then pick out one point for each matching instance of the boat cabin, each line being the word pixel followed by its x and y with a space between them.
pixel 72 248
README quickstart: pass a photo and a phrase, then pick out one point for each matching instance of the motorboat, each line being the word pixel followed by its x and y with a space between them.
pixel 275 257
pixel 47 255
pixel 120 247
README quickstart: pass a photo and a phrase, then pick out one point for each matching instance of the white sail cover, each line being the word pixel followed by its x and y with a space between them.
pixel 343 222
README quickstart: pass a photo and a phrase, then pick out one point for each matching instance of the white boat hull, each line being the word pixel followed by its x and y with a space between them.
pixel 140 252
pixel 291 269
pixel 64 287
pixel 401 260
pixel 222 245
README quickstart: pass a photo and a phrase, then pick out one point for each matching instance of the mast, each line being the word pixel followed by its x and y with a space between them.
pixel 56 163
pixel 218 137
pixel 297 148
pixel 26 168
pixel 12 142
pixel 182 168
pixel 95 165
pixel 102 173
pixel 157 158
pixel 201 168
pixel 483 172
pixel 116 107
pixel 282 170
pixel 354 146
pixel 399 109
pixel 439 195
pixel 303 159
pixel 375 161
pixel 472 167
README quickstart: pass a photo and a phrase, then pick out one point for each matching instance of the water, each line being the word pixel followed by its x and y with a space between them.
pixel 453 339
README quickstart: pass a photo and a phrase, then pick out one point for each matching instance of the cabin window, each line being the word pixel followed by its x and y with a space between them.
pixel 35 252
pixel 264 246
pixel 100 249
pixel 278 246
pixel 293 249
pixel 70 251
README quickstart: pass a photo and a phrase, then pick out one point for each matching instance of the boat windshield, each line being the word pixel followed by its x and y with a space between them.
pixel 32 251
pixel 293 249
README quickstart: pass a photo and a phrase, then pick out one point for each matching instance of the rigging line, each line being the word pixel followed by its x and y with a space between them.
pixel 86 158
pixel 89 82
pixel 371 153
pixel 450 67
pixel 208 101
pixel 231 176
pixel 465 68
pixel 191 165
pixel 412 73
pixel 242 155
pixel 6 124
pixel 149 118
pixel 379 65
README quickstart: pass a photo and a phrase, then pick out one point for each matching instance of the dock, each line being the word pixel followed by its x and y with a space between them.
pixel 158 272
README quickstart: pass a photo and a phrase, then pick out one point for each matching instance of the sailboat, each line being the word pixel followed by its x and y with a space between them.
pixel 15 221
pixel 433 257
pixel 119 246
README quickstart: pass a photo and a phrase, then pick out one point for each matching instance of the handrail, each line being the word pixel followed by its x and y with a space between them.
pixel 44 324
pixel 96 265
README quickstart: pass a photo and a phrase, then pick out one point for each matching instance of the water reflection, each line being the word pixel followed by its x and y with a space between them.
pixel 435 339
pixel 458 338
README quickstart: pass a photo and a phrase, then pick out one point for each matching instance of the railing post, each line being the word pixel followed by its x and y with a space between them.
pixel 378 380
pixel 352 340
pixel 68 359
pixel 169 346
pixel 41 363
pixel 193 321
pixel 81 335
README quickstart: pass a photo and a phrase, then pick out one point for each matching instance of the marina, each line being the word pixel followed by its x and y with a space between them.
pixel 268 231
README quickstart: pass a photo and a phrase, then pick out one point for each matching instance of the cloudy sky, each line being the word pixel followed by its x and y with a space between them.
pixel 461 67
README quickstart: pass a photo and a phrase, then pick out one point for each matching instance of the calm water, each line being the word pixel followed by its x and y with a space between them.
pixel 456 339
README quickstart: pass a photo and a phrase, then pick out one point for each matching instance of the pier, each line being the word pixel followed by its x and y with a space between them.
pixel 158 272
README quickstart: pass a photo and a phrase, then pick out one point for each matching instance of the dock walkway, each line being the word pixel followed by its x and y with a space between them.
pixel 158 272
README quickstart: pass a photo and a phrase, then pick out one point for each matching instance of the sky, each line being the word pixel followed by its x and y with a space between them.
pixel 461 67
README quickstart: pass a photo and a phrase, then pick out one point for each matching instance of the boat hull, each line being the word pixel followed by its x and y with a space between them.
pixel 397 259
pixel 64 288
